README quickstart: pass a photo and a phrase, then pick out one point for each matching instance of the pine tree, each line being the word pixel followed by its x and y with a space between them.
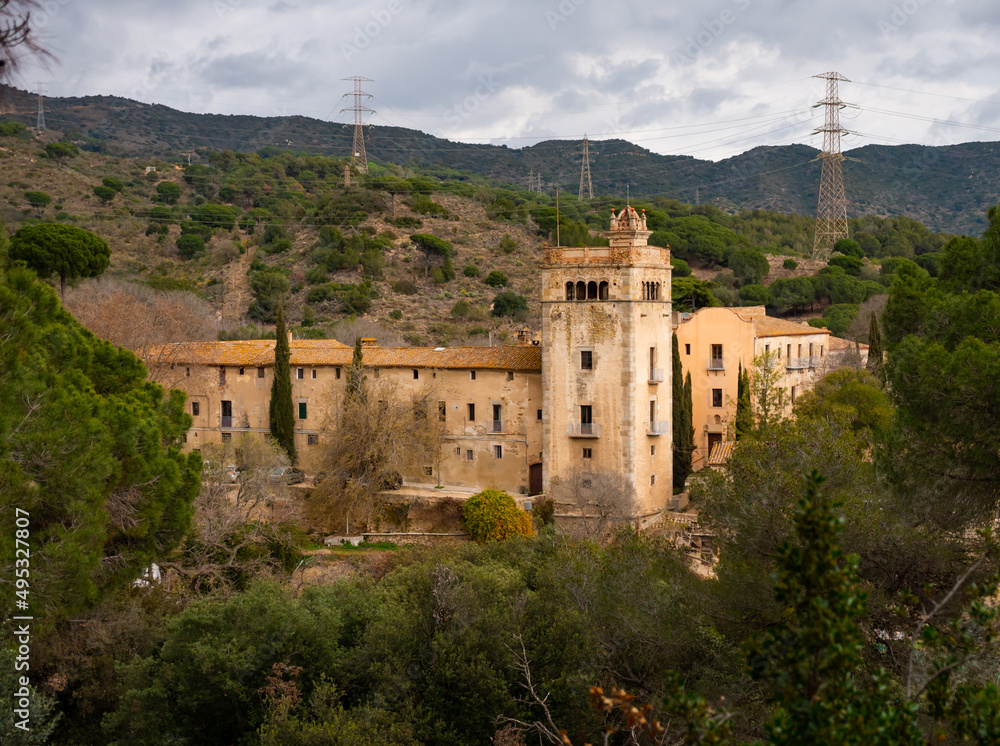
pixel 874 346
pixel 282 415
pixel 683 440
pixel 744 412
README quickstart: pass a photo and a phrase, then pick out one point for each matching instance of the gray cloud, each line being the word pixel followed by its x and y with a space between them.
pixel 710 80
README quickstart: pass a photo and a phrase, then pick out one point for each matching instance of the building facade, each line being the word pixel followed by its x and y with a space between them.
pixel 715 342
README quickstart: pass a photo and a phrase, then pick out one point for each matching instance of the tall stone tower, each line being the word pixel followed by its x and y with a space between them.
pixel 606 364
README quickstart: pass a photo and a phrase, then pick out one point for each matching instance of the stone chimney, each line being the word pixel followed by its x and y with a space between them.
pixel 524 337
pixel 368 342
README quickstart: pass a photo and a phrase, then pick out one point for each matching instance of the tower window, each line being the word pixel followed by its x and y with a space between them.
pixel 687 349
pixel 497 451
pixel 581 290
pixel 586 360
pixel 588 452
pixel 195 408
pixel 570 291
pixel 591 290
pixel 472 412
pixel 602 291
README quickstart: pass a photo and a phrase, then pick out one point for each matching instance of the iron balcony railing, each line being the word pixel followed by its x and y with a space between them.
pixel 661 427
pixel 716 363
pixel 801 363
pixel 584 430
pixel 656 375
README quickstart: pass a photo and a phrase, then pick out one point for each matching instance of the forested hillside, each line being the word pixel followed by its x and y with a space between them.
pixel 946 188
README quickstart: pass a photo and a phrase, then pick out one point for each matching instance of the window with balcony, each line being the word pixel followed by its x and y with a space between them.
pixel 715 362
pixel 496 425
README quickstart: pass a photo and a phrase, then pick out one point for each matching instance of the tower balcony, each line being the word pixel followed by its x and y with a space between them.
pixel 716 363
pixel 660 427
pixel 656 375
pixel 584 430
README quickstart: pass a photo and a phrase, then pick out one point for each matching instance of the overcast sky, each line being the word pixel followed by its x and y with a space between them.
pixel 709 79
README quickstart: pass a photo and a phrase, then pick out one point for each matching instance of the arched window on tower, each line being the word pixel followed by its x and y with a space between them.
pixel 592 290
pixel 602 290
pixel 581 290
pixel 656 291
pixel 570 291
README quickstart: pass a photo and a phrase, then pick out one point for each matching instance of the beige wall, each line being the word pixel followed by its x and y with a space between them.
pixel 517 393
pixel 736 331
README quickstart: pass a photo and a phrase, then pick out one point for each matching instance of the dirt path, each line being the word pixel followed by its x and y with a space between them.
pixel 237 298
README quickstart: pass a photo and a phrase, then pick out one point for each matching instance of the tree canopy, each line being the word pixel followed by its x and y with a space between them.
pixel 64 250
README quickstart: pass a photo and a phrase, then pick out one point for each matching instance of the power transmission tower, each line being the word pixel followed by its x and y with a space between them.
pixel 359 158
pixel 585 170
pixel 831 212
pixel 41 106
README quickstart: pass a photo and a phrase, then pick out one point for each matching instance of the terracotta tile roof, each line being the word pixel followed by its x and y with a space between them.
pixel 320 352
pixel 768 326
pixel 720 453
pixel 837 344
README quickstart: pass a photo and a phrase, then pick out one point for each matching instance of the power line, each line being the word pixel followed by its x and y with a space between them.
pixel 831 212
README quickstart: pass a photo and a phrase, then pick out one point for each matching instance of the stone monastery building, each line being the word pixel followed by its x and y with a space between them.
pixel 593 395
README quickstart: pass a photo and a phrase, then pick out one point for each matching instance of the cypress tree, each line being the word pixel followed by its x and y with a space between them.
pixel 744 413
pixel 874 346
pixel 282 415
pixel 355 375
pixel 683 438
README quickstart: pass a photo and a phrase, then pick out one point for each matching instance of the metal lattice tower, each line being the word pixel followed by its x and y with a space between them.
pixel 585 170
pixel 831 212
pixel 41 106
pixel 359 158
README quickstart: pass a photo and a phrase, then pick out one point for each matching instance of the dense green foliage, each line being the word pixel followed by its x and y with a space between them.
pixel 89 448
pixel 64 250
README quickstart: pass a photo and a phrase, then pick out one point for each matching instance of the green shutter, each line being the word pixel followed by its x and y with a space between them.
pixel 302 410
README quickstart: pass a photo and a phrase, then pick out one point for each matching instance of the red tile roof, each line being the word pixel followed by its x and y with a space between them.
pixel 768 326
pixel 320 352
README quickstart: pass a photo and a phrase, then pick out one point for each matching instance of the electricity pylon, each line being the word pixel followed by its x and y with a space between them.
pixel 831 211
pixel 359 158
pixel 41 106
pixel 585 170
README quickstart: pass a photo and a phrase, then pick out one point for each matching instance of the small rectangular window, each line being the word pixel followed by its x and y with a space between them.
pixel 472 412
pixel 188 373
pixel 442 411
pixel 652 479
pixel 586 360
pixel 588 453
pixel 652 450
pixel 789 354
pixel 497 451
pixel 767 348
pixel 302 410
pixel 195 408
pixel 821 350
pixel 336 373
pixel 468 455
pixel 242 370
pixel 314 373
pixel 716 397
pixel 687 349
pixel 226 437
pixel 416 374
pixel 458 451
pixel 300 373
pixel 260 372
pixel 312 439
pixel 539 415
pixel 510 375
pixel 472 375
pixel 428 471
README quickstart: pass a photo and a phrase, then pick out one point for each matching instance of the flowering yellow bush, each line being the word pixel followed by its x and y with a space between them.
pixel 493 515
